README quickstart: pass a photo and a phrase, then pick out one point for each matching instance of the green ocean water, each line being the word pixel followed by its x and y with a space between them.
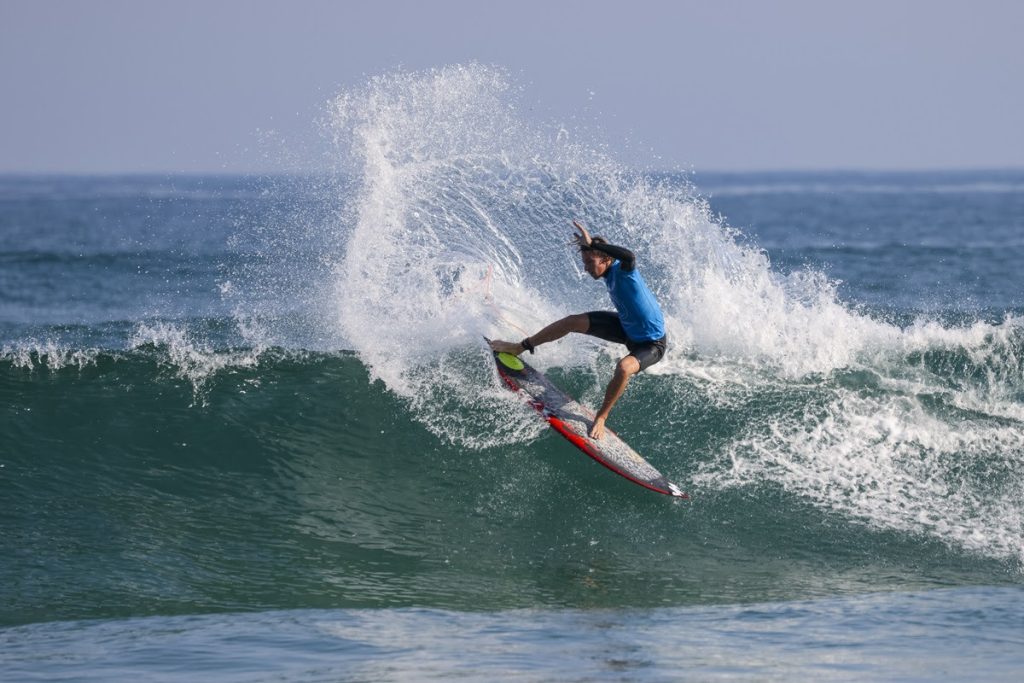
pixel 299 483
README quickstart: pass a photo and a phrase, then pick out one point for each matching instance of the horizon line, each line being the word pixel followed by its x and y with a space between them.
pixel 668 171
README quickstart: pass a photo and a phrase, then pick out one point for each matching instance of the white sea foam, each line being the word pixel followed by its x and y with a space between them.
pixel 895 464
pixel 32 354
pixel 190 357
pixel 461 220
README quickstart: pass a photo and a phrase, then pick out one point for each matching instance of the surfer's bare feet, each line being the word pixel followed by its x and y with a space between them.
pixel 597 430
pixel 515 348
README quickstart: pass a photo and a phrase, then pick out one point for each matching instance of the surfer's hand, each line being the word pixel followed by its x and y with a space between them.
pixel 597 430
pixel 582 239
pixel 515 348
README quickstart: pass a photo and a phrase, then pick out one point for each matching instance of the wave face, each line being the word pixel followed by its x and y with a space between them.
pixel 297 482
pixel 239 394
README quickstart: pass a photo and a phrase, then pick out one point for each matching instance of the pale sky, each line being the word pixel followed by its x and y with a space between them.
pixel 185 86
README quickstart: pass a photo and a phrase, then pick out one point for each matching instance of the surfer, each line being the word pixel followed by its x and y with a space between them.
pixel 637 322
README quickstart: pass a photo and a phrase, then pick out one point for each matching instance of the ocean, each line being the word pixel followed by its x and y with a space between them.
pixel 249 429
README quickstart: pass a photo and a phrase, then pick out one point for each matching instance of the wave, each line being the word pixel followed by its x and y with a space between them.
pixel 930 447
pixel 293 480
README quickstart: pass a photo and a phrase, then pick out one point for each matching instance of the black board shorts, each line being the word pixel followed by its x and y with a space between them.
pixel 606 325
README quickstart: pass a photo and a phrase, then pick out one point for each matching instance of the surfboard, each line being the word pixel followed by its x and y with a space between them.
pixel 573 421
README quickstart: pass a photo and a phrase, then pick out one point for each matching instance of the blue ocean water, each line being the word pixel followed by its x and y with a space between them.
pixel 248 430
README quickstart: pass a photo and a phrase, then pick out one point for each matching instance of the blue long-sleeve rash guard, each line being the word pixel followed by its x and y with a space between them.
pixel 638 309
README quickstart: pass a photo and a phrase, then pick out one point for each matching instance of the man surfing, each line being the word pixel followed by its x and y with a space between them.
pixel 637 322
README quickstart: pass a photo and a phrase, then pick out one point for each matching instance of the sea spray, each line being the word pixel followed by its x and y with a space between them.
pixel 190 357
pixel 464 209
pixel 32 355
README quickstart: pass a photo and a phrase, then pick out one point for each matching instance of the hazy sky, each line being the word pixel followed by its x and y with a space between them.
pixel 178 85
